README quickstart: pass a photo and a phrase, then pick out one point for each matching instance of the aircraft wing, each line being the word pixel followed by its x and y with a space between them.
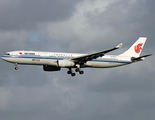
pixel 89 57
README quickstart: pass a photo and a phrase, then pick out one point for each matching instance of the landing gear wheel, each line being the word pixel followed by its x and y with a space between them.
pixel 69 72
pixel 16 68
pixel 73 74
pixel 77 69
pixel 81 72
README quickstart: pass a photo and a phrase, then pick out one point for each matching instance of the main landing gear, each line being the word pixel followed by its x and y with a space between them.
pixel 76 70
pixel 16 68
pixel 70 72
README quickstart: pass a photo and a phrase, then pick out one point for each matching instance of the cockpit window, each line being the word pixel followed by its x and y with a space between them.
pixel 7 54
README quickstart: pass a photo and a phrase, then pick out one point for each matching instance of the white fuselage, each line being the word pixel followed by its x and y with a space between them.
pixel 54 61
pixel 51 58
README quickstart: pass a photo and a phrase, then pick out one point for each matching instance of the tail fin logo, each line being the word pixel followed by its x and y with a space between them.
pixel 138 47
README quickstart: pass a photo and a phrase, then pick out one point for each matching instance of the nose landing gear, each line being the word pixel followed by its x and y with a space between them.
pixel 16 68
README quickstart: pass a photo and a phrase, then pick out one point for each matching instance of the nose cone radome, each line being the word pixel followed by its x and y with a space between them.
pixel 4 58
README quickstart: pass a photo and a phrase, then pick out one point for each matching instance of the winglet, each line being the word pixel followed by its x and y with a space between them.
pixel 120 45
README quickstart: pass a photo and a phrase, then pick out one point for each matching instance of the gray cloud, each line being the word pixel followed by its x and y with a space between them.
pixel 25 14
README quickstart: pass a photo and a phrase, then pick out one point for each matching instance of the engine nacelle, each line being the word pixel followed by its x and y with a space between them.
pixel 65 63
pixel 51 68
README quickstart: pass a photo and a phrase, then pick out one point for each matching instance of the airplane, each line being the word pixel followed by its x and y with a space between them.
pixel 54 61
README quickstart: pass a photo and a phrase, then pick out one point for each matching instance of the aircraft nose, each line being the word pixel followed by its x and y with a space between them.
pixel 3 58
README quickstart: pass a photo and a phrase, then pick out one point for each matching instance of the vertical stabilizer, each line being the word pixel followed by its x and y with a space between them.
pixel 136 48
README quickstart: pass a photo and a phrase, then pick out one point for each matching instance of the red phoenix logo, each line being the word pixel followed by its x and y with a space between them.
pixel 138 47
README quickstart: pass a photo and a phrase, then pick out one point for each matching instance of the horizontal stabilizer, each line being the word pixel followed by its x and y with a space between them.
pixel 133 59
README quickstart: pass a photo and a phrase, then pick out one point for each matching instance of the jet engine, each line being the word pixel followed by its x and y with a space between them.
pixel 51 68
pixel 65 63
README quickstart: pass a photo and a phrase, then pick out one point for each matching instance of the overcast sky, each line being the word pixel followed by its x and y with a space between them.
pixel 82 26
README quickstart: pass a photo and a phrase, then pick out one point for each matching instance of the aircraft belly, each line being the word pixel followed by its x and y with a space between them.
pixel 103 64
